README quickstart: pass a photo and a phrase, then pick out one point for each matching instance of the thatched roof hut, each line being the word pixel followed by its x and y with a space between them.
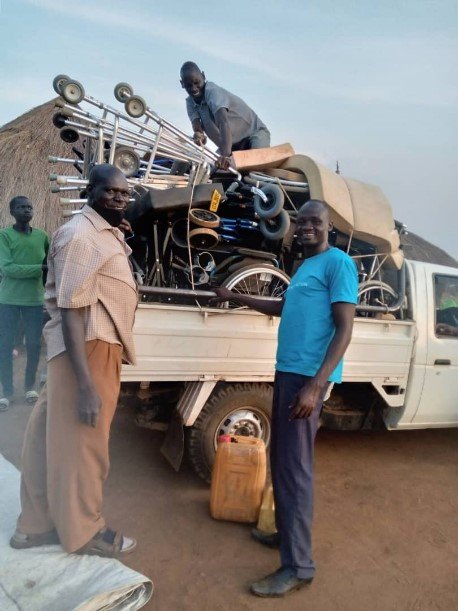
pixel 418 249
pixel 25 144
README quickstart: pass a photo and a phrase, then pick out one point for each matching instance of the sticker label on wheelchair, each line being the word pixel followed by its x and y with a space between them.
pixel 215 200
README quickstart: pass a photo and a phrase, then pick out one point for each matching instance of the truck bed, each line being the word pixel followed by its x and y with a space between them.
pixel 188 343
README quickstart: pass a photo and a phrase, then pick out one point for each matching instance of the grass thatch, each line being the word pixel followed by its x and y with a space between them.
pixel 418 249
pixel 25 144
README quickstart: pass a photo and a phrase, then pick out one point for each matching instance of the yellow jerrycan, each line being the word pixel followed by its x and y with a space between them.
pixel 238 478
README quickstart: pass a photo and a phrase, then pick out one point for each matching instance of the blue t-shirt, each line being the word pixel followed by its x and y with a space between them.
pixel 307 325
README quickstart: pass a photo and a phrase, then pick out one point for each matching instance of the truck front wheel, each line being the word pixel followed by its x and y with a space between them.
pixel 233 409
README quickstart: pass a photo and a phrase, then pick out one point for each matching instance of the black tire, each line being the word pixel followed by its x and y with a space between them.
pixel 274 204
pixel 223 413
pixel 275 228
pixel 122 91
pixel 58 81
pixel 72 92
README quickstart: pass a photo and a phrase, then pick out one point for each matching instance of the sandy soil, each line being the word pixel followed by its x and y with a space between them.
pixel 386 527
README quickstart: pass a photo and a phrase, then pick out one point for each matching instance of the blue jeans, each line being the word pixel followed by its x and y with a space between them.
pixel 257 140
pixel 32 319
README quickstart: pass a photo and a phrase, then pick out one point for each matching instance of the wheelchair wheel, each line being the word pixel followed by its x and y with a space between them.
pixel 275 228
pixel 204 218
pixel 376 293
pixel 274 204
pixel 72 92
pixel 126 160
pixel 58 81
pixel 135 106
pixel 122 91
pixel 203 238
pixel 258 280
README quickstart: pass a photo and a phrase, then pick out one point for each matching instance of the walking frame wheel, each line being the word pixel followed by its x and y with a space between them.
pixel 123 91
pixel 135 106
pixel 72 92
pixel 58 82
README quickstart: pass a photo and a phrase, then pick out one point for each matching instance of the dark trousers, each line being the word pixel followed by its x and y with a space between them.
pixel 291 460
pixel 32 319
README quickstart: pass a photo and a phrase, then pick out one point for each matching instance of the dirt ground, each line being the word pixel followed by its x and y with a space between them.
pixel 385 536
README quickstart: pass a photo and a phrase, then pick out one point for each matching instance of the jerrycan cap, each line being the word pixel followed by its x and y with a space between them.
pixel 224 439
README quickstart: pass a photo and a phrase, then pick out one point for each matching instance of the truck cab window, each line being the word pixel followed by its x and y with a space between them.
pixel 446 305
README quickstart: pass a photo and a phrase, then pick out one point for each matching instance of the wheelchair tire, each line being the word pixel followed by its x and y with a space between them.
pixel 274 204
pixel 275 228
pixel 204 218
pixel 203 238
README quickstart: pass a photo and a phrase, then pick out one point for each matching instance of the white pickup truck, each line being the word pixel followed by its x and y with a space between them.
pixel 220 362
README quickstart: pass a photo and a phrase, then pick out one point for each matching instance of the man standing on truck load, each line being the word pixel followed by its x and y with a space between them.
pixel 23 251
pixel 222 116
pixel 315 330
pixel 91 297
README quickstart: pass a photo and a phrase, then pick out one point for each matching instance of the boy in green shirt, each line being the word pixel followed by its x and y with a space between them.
pixel 23 252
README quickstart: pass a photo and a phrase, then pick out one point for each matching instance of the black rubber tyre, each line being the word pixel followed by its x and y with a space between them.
pixel 243 409
pixel 274 204
pixel 72 92
pixel 122 91
pixel 203 238
pixel 275 228
pixel 58 81
pixel 135 106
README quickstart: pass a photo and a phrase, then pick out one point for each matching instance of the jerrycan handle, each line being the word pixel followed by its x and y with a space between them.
pixel 226 439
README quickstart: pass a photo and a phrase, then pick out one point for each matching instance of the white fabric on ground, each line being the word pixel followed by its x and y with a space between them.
pixel 47 578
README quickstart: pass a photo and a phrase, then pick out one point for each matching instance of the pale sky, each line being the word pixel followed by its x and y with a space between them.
pixel 374 85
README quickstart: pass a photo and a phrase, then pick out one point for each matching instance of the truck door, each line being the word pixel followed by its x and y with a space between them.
pixel 439 400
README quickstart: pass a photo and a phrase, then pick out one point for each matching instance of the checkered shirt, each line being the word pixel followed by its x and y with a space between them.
pixel 88 267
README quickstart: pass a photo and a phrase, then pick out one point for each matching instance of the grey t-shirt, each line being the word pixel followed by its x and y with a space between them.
pixel 243 121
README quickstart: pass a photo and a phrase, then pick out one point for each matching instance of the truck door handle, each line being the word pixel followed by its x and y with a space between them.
pixel 442 362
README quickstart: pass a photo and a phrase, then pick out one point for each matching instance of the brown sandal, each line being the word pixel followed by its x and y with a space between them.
pixel 22 541
pixel 108 543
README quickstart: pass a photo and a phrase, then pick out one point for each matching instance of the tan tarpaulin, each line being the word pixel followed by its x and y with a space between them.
pixel 355 206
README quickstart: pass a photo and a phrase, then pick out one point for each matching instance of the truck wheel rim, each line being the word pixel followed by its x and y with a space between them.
pixel 247 422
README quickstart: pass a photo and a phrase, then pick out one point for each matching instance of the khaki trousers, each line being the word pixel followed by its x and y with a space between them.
pixel 65 462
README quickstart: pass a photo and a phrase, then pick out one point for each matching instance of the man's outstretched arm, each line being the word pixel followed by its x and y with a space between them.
pixel 265 306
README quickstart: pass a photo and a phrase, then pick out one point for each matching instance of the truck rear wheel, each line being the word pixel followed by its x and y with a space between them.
pixel 233 409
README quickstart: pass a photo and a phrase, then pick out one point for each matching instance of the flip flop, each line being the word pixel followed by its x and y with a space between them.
pixel 108 543
pixel 4 404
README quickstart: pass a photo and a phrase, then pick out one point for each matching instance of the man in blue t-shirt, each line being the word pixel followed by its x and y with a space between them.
pixel 315 329
pixel 222 116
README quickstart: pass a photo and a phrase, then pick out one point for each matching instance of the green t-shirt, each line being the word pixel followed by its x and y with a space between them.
pixel 21 259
